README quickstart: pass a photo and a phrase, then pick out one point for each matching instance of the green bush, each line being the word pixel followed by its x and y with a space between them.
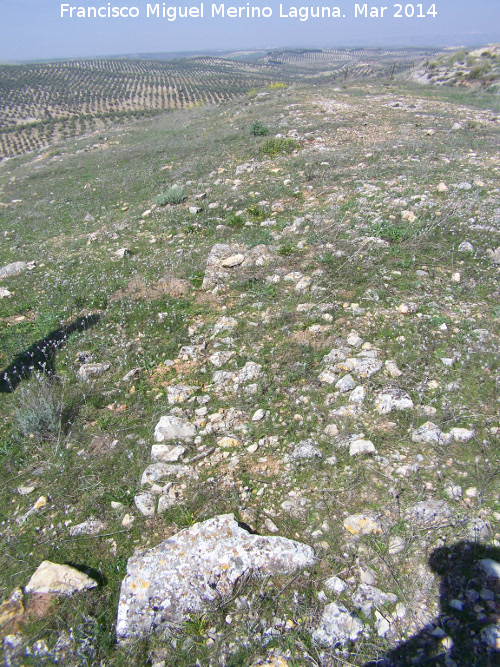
pixel 39 409
pixel 258 129
pixel 274 146
pixel 233 220
pixel 174 195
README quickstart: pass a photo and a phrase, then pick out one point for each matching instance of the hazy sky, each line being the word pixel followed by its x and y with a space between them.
pixel 34 29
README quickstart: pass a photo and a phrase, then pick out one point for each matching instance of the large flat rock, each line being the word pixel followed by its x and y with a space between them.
pixel 185 573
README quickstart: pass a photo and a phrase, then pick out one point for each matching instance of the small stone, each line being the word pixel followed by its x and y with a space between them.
pixel 454 491
pixel 361 447
pixel 4 293
pixel 397 544
pixel 457 605
pixel 328 376
pixel 392 398
pixel 409 215
pixel 12 269
pixel 173 428
pixel 471 492
pixel 89 527
pixel 253 448
pixel 12 607
pixel 456 277
pixel 332 430
pixel 258 415
pixel 335 585
pixel 392 369
pixel 228 442
pixel 306 449
pixel 462 434
pixel 128 520
pixel 25 490
pixel 429 512
pixel 429 433
pixel 167 453
pixel 303 284
pixel 194 209
pixel 408 308
pixel 337 626
pixel 361 524
pixel 122 252
pixel 464 186
pixel 224 324
pixel 234 260
pixel 88 371
pixel 465 246
pixel 179 393
pixel 345 384
pixel 271 526
pixel 58 579
pixel 354 340
pixel 442 187
pixel 357 395
pixel 490 567
pixel 145 503
pixel 220 358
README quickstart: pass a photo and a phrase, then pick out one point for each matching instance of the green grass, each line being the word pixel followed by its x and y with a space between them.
pixel 77 273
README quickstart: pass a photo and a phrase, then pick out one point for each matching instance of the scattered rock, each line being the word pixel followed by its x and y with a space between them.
pixel 58 579
pixel 145 503
pixel 408 308
pixel 430 433
pixel 173 428
pixel 361 447
pixel 306 449
pixel 12 269
pixel 361 524
pixel 89 371
pixel 392 398
pixel 337 626
pixel 335 585
pixel 179 393
pixel 89 527
pixel 167 453
pixel 189 570
pixel 12 608
pixel 345 384
pixel 429 512
pixel 461 434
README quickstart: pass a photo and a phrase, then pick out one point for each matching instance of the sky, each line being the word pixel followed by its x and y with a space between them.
pixel 35 30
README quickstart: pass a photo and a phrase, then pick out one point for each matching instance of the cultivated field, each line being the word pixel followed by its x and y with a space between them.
pixel 43 103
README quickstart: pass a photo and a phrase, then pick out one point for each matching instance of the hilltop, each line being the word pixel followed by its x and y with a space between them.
pixel 283 307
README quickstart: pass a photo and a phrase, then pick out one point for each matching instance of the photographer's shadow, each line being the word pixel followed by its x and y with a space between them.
pixel 467 632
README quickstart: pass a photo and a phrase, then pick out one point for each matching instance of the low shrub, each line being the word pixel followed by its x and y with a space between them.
pixel 174 195
pixel 39 408
pixel 258 129
pixel 276 145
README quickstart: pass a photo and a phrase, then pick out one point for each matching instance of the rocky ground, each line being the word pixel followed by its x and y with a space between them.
pixel 266 430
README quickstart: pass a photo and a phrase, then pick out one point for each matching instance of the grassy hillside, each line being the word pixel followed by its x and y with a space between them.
pixel 355 208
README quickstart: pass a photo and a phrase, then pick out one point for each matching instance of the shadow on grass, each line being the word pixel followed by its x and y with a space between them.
pixel 466 632
pixel 40 357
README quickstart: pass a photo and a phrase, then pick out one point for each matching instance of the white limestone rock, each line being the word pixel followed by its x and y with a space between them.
pixel 430 433
pixel 392 398
pixel 58 579
pixel 337 626
pixel 173 428
pixel 198 565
